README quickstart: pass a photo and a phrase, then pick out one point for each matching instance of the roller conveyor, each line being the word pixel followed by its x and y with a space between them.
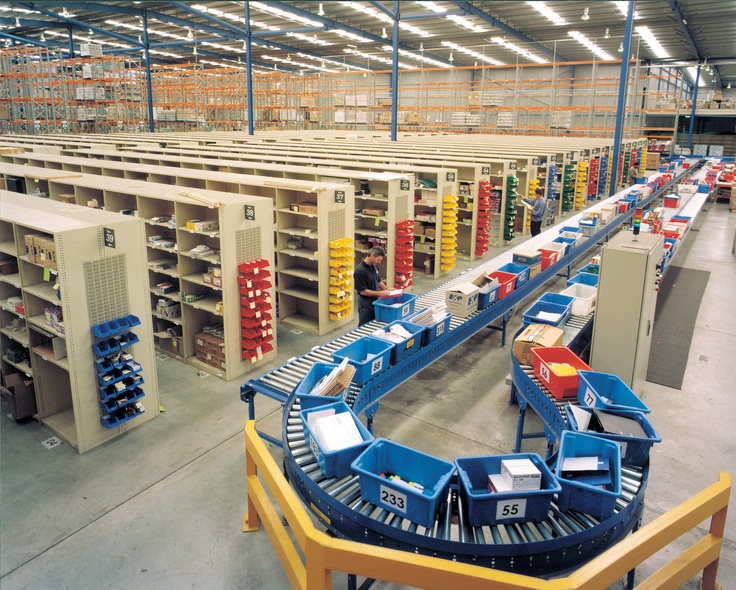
pixel 562 541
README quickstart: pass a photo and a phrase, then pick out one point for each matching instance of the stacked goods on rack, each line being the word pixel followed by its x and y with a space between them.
pixel 484 218
pixel 342 258
pixel 404 257
pixel 603 180
pixel 255 309
pixel 449 232
pixel 568 187
pixel 512 183
pixel 593 178
pixel 581 185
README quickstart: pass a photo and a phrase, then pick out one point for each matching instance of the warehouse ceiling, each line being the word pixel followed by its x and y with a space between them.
pixel 335 36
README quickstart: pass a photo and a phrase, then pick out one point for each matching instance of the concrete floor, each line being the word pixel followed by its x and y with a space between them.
pixel 162 507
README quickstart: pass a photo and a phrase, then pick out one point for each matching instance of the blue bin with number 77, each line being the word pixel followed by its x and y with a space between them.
pixel 485 508
pixel 419 485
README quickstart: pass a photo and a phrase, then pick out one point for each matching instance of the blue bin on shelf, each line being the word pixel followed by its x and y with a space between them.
pixel 435 330
pixel 101 330
pixel 532 315
pixel 591 269
pixel 132 320
pixel 486 508
pixel 127 339
pixel 585 497
pixel 369 356
pixel 401 350
pixel 335 463
pixel 584 279
pixel 390 309
pixel 703 188
pixel 316 372
pixel 570 228
pixel 417 503
pixel 607 392
pixel 520 270
pixel 557 298
pixel 634 449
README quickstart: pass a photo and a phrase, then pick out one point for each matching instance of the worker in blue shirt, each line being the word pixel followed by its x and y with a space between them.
pixel 369 284
pixel 539 209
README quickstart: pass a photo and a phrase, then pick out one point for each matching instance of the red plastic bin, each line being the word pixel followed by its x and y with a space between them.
pixel 549 257
pixel 560 387
pixel 507 280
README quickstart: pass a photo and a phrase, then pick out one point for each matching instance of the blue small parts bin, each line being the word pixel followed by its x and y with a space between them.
pixel 570 228
pixel 568 242
pixel 557 298
pixel 607 392
pixel 335 463
pixel 488 294
pixel 533 315
pixel 422 487
pixel 316 372
pixel 486 507
pixel 591 269
pixel 394 308
pixel 581 496
pixel 435 330
pixel 520 270
pixel 634 449
pixel 401 350
pixel 369 356
pixel 584 279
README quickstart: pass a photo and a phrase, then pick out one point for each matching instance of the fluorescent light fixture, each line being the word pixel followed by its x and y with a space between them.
pixel 313 39
pixel 583 40
pixel 416 56
pixel 466 24
pixel 624 8
pixel 521 51
pixel 585 16
pixel 384 18
pixel 547 13
pixel 475 54
pixel 290 16
pixel 693 72
pixel 649 38
pixel 351 36
pixel 433 6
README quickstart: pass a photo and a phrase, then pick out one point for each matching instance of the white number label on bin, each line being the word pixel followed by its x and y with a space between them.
pixel 410 343
pixel 440 329
pixel 589 398
pixel 394 499
pixel 624 445
pixel 515 508
pixel 544 372
pixel 376 366
pixel 405 310
pixel 314 447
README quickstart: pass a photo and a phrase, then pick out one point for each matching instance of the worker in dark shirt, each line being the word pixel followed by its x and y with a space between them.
pixel 539 209
pixel 633 174
pixel 369 285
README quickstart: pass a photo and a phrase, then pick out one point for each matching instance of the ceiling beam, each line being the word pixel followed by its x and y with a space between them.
pixel 477 12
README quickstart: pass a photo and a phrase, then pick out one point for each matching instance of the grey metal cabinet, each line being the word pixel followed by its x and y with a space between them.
pixel 624 317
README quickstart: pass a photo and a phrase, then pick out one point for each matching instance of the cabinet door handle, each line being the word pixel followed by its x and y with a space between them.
pixel 649 327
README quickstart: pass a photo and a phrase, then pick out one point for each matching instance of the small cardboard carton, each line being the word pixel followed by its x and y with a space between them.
pixel 307 207
pixel 528 257
pixel 535 269
pixel 462 299
pixel 521 474
pixel 535 335
pixel 20 394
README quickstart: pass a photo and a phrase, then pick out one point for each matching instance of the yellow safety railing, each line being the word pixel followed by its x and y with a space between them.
pixel 324 554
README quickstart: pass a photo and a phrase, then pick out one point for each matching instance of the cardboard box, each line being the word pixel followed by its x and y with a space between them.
pixel 19 392
pixel 307 207
pixel 521 474
pixel 30 252
pixel 535 335
pixel 67 198
pixel 8 266
pixel 462 299
pixel 210 344
pixel 374 212
pixel 527 257
pixel 59 347
pixel 45 251
pixel 430 232
pixel 535 269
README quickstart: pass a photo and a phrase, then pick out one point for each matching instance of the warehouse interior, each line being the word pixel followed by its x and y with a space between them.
pixel 200 111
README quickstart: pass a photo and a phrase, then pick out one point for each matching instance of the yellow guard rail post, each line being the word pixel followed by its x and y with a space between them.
pixel 324 554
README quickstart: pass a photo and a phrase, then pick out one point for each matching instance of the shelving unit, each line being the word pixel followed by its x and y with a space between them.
pixel 79 271
pixel 172 255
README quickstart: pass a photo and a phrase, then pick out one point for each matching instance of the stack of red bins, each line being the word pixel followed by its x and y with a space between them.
pixel 404 259
pixel 255 309
pixel 593 177
pixel 484 218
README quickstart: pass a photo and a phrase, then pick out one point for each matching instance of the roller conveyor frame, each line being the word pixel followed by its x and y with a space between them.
pixel 563 541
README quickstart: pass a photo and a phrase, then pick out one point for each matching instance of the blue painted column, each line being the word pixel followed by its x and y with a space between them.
pixel 692 112
pixel 249 69
pixel 621 105
pixel 149 90
pixel 395 72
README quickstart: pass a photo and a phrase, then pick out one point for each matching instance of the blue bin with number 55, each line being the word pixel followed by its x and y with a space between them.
pixel 402 480
pixel 486 507
pixel 369 356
